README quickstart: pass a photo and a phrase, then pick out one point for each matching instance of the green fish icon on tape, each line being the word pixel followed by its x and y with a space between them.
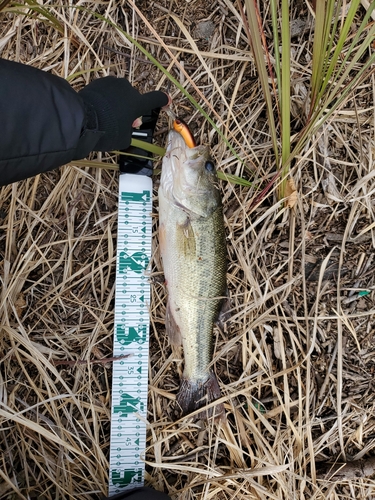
pixel 128 476
pixel 126 336
pixel 128 404
pixel 136 262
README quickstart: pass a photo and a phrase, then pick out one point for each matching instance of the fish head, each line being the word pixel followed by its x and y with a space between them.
pixel 189 178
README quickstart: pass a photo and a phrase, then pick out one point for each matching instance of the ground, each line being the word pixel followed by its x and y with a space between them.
pixel 295 362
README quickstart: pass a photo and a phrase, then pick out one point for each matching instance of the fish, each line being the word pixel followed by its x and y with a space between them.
pixel 193 252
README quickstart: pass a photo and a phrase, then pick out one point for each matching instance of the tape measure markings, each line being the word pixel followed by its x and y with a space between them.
pixel 131 335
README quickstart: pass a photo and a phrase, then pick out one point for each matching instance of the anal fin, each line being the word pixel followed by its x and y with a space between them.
pixel 225 313
pixel 172 328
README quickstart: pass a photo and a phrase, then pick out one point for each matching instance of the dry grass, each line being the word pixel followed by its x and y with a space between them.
pixel 297 362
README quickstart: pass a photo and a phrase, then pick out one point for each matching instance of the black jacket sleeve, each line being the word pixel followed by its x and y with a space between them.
pixel 44 123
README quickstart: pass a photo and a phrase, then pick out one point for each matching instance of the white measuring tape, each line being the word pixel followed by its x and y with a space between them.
pixel 131 334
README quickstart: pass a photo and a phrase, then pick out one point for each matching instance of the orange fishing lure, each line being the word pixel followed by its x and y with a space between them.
pixel 181 127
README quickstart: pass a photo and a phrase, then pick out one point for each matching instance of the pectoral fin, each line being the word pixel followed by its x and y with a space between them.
pixel 186 243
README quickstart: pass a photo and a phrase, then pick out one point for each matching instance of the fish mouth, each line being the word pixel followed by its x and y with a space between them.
pixel 175 143
pixel 183 175
pixel 173 160
pixel 178 149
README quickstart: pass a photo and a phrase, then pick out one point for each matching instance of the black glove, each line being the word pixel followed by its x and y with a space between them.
pixel 117 104
pixel 140 494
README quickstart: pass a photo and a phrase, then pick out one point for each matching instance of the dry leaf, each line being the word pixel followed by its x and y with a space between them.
pixel 20 304
pixel 98 353
pixel 290 193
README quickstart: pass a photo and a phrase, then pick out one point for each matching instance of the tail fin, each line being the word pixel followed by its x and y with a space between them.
pixel 195 394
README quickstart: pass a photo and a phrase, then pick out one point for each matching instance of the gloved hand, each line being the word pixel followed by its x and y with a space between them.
pixel 117 104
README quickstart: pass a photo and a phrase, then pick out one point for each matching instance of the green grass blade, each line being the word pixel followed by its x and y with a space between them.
pixel 285 95
pixel 340 44
pixel 362 28
pixel 152 148
pixel 256 44
pixel 39 9
pixel 276 42
pixel 331 27
pixel 234 179
pixel 332 22
pixel 338 95
pixel 319 50
pixel 49 19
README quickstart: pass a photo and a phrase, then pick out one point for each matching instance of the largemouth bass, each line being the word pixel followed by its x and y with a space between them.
pixel 192 244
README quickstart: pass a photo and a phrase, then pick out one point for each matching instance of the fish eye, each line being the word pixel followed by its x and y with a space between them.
pixel 209 166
